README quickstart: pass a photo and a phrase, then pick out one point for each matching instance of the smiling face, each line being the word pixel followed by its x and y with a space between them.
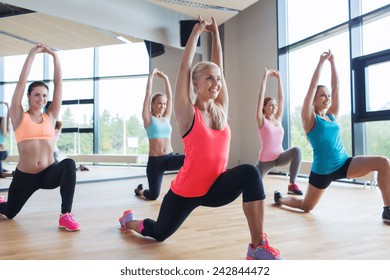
pixel 322 99
pixel 270 106
pixel 159 104
pixel 38 97
pixel 207 81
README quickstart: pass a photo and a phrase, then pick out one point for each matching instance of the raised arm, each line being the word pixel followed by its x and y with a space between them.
pixel 168 93
pixel 280 111
pixel 307 113
pixel 334 107
pixel 16 109
pixel 54 108
pixel 217 58
pixel 260 100
pixel 182 105
pixel 147 110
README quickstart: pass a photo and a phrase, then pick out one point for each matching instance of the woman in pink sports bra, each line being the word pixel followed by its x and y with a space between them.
pixel 34 133
pixel 204 179
pixel 269 114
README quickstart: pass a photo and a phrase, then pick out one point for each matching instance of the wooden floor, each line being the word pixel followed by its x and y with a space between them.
pixel 346 225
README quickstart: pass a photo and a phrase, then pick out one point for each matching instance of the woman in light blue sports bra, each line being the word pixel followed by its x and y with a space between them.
pixel 330 159
pixel 4 130
pixel 156 114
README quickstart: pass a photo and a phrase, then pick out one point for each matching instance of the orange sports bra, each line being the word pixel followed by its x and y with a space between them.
pixel 29 130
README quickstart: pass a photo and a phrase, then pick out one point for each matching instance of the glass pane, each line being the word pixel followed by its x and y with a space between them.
pixel 79 115
pixel 377 89
pixel 376 143
pixel 370 5
pixel 13 66
pixel 374 39
pixel 75 63
pixel 75 144
pixel 123 59
pixel 68 144
pixel 302 63
pixel 79 89
pixel 308 17
pixel 121 125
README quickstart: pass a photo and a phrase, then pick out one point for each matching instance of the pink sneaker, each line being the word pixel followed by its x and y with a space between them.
pixel 2 199
pixel 294 189
pixel 66 221
pixel 127 216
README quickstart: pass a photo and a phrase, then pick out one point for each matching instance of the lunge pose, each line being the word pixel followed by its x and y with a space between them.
pixel 34 133
pixel 204 179
pixel 269 116
pixel 156 115
pixel 331 161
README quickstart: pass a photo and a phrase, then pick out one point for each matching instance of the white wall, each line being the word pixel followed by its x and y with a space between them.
pixel 250 46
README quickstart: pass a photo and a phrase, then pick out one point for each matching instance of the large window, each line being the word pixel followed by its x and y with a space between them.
pixel 356 33
pixel 102 97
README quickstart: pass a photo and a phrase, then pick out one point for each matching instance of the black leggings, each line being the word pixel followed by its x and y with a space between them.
pixel 155 172
pixel 3 156
pixel 229 185
pixel 23 185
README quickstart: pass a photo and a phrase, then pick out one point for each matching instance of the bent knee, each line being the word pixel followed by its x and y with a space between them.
pixel 307 208
pixel 68 163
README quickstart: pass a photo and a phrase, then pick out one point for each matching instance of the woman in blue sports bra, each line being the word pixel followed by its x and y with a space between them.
pixel 156 114
pixel 4 130
pixel 330 159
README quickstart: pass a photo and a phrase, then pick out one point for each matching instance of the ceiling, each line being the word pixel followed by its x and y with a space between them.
pixel 20 28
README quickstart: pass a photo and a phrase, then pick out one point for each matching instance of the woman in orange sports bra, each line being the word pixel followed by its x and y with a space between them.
pixel 34 133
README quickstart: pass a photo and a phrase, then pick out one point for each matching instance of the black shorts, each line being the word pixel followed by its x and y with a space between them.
pixel 323 181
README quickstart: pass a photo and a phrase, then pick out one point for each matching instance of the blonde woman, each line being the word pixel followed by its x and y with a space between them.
pixel 204 179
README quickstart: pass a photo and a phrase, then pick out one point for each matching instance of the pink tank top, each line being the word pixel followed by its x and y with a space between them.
pixel 271 138
pixel 206 156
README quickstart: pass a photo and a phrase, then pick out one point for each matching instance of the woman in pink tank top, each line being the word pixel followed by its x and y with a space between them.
pixel 269 114
pixel 204 179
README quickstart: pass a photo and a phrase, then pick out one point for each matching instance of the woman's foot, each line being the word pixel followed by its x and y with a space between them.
pixel 138 190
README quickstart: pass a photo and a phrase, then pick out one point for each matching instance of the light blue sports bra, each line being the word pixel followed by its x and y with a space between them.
pixel 159 129
pixel 2 138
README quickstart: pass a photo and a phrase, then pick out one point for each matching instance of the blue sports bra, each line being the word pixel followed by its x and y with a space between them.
pixel 159 129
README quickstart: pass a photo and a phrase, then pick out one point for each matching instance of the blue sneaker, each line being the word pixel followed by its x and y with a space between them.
pixel 277 196
pixel 127 216
pixel 263 252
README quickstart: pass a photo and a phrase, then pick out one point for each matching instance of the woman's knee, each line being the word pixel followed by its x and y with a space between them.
pixel 68 163
pixel 250 171
pixel 297 152
pixel 384 163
